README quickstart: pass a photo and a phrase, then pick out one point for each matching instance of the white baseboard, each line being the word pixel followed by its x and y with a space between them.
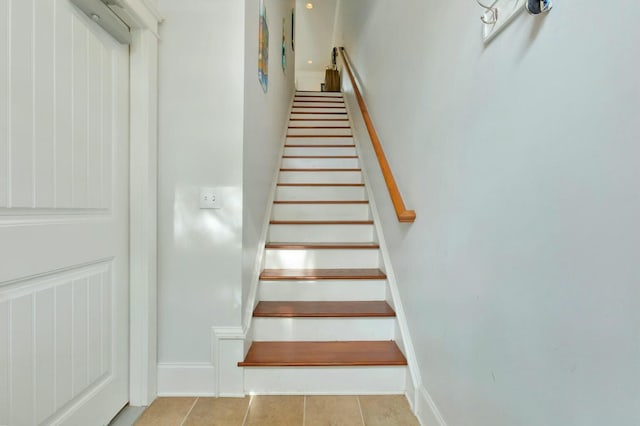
pixel 194 379
pixel 410 391
pixel 426 410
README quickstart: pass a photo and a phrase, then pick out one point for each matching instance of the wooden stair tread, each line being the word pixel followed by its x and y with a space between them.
pixel 320 170
pixel 359 309
pixel 319 127
pixel 318 94
pixel 337 246
pixel 321 222
pixel 320 156
pixel 304 98
pixel 317 102
pixel 319 107
pixel 319 136
pixel 318 146
pixel 326 113
pixel 318 119
pixel 323 202
pixel 321 184
pixel 323 354
pixel 322 274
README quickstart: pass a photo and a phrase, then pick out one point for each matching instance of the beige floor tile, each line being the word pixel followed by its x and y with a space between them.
pixel 276 411
pixel 218 412
pixel 166 412
pixel 332 411
pixel 387 410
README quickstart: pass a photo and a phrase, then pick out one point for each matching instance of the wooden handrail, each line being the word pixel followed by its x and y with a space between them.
pixel 403 214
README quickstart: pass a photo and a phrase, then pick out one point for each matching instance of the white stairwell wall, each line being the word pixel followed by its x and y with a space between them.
pixel 519 276
pixel 217 129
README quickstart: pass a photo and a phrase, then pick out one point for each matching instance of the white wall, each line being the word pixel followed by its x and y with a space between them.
pixel 217 129
pixel 309 80
pixel 264 127
pixel 314 37
pixel 200 144
pixel 520 276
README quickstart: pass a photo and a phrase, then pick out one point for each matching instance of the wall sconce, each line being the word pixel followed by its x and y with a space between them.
pixel 536 7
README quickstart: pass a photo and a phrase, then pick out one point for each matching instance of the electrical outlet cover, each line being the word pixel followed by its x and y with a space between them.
pixel 507 11
pixel 210 198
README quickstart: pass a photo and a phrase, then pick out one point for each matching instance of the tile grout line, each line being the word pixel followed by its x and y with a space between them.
pixel 246 413
pixel 189 412
pixel 304 410
pixel 360 408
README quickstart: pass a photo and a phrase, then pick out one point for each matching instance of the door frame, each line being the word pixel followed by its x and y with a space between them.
pixel 143 141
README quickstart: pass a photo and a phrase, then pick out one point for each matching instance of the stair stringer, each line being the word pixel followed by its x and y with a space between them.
pixel 415 391
pixel 247 314
pixel 224 355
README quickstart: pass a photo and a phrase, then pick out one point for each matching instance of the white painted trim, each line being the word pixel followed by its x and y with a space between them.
pixel 61 419
pixel 143 140
pixel 410 391
pixel 425 409
pixel 227 348
pixel 405 337
pixel 259 261
pixel 143 14
pixel 191 379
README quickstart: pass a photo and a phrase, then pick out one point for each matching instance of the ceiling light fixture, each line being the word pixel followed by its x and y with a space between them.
pixel 309 61
pixel 309 6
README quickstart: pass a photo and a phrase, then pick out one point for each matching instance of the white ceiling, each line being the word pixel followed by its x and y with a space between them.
pixel 314 34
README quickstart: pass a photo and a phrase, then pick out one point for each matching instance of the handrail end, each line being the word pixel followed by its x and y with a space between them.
pixel 404 215
pixel 407 216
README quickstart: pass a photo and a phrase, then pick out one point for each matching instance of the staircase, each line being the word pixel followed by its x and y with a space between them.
pixel 324 322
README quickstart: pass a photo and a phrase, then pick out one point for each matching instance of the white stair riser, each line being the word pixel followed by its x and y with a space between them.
pixel 320 163
pixel 332 116
pixel 310 150
pixel 325 110
pixel 320 177
pixel 323 329
pixel 337 123
pixel 325 380
pixel 321 258
pixel 310 103
pixel 322 290
pixel 346 132
pixel 320 141
pixel 321 233
pixel 320 193
pixel 316 99
pixel 320 212
pixel 319 94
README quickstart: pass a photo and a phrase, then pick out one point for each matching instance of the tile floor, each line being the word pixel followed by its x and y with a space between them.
pixel 383 410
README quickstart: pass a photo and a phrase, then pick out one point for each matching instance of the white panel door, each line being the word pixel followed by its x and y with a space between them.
pixel 64 159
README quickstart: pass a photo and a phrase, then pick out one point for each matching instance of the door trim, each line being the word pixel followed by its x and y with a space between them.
pixel 143 139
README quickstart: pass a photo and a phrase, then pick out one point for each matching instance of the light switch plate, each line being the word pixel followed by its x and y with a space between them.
pixel 210 198
pixel 507 11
